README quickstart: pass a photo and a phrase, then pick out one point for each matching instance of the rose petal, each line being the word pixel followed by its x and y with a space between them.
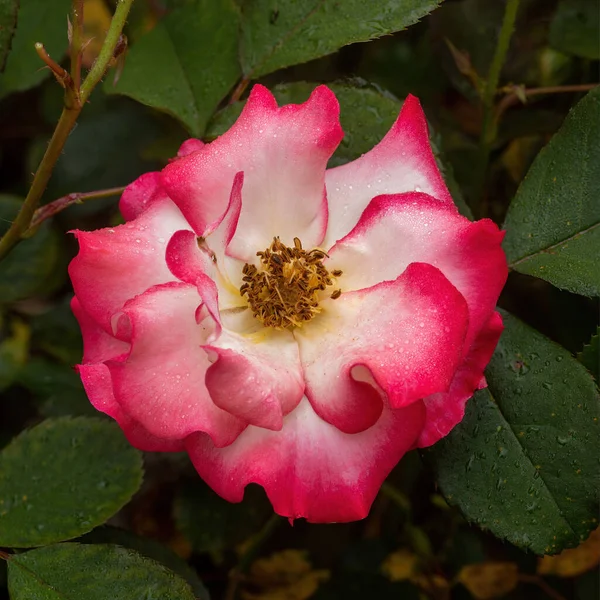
pixel 397 230
pixel 161 383
pixel 283 153
pixel 257 374
pixel 189 146
pixel 446 410
pixel 407 334
pixel 98 386
pixel 98 345
pixel 116 264
pixel 401 162
pixel 139 194
pixel 310 469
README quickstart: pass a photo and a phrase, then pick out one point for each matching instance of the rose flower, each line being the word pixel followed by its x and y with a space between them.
pixel 289 325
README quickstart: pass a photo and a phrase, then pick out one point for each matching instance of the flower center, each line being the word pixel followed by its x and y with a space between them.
pixel 284 292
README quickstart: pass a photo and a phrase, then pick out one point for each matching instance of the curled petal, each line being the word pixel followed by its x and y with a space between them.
pixel 161 383
pixel 401 162
pixel 446 410
pixel 397 230
pixel 257 374
pixel 407 335
pixel 116 264
pixel 283 153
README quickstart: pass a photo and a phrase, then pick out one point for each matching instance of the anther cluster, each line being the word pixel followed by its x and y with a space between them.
pixel 284 293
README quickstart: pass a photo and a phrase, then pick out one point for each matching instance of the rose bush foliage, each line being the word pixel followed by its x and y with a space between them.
pixel 358 333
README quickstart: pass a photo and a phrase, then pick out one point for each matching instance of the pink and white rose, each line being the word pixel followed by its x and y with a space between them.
pixel 359 333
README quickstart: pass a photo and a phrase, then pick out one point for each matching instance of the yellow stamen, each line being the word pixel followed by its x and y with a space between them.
pixel 285 292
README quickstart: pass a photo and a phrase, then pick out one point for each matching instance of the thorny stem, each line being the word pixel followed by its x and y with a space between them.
pixel 53 208
pixel 249 555
pixel 489 129
pixel 74 100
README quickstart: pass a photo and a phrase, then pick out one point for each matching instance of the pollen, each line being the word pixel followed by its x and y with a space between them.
pixel 284 291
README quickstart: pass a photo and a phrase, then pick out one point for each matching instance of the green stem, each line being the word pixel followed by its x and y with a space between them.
pixel 248 557
pixel 64 127
pixel 108 49
pixel 489 127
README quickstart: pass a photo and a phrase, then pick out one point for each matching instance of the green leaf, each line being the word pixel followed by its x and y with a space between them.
pixel 186 64
pixel 30 268
pixel 589 357
pixel 553 223
pixel 367 113
pixel 212 524
pixel 39 21
pixel 523 462
pixel 151 549
pixel 280 34
pixel 574 28
pixel 63 478
pixel 69 571
pixel 8 24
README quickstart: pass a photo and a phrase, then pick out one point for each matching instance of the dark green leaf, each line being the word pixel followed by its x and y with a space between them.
pixel 366 114
pixel 57 389
pixel 8 24
pixel 63 478
pixel 186 64
pixel 39 21
pixel 151 549
pixel 589 357
pixel 213 524
pixel 523 461
pixel 30 268
pixel 74 571
pixel 280 34
pixel 574 29
pixel 553 223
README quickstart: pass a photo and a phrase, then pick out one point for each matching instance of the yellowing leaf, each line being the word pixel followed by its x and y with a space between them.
pixel 574 561
pixel 399 565
pixel 286 575
pixel 489 580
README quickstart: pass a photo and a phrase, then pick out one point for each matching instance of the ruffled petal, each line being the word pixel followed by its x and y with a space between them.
pixel 161 384
pixel 446 410
pixel 257 374
pixel 283 153
pixel 99 346
pixel 116 264
pixel 397 230
pixel 406 336
pixel 189 257
pixel 401 162
pixel 310 468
